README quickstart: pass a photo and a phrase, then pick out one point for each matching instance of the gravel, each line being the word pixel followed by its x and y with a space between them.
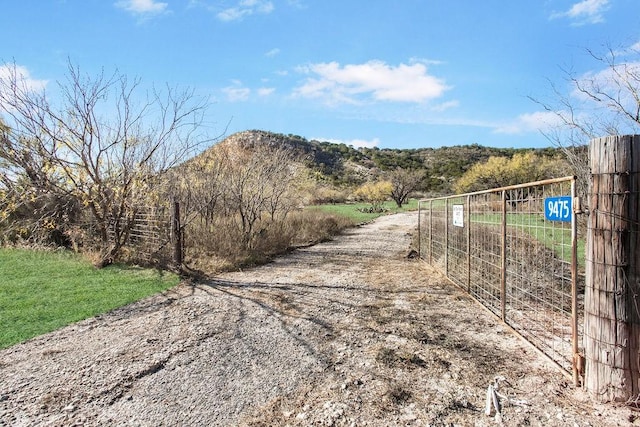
pixel 350 332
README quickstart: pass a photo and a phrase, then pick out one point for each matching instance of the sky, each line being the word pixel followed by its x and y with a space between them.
pixel 375 73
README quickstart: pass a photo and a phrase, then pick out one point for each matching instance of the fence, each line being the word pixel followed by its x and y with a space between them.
pixel 514 249
pixel 150 236
pixel 155 236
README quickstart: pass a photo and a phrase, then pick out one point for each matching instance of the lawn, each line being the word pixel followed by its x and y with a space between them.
pixel 41 291
pixel 355 213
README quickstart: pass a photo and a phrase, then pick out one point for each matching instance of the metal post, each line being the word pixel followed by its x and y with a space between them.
pixel 574 287
pixel 419 229
pixel 446 237
pixel 468 221
pixel 503 273
pixel 431 232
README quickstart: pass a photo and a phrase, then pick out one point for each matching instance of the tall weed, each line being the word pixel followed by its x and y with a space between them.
pixel 220 245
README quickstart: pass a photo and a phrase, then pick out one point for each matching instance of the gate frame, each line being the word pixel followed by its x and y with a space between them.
pixel 577 359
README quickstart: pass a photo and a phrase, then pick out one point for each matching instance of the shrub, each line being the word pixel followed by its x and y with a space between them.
pixel 218 245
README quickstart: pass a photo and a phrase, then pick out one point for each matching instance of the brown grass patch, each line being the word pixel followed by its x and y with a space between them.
pixel 221 246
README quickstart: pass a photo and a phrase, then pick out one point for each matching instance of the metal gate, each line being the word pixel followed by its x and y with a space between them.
pixel 516 251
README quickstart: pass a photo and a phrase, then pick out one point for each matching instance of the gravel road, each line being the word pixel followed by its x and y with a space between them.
pixel 350 332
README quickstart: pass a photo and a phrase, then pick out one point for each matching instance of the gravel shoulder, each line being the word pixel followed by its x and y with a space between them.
pixel 346 333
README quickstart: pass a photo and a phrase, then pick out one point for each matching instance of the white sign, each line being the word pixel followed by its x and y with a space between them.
pixel 458 215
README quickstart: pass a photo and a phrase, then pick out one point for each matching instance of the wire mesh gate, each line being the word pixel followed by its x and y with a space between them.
pixel 515 250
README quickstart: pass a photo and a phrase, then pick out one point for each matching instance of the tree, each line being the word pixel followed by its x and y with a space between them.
pixel 403 183
pixel 257 182
pixel 595 104
pixel 503 171
pixel 375 193
pixel 196 185
pixel 98 144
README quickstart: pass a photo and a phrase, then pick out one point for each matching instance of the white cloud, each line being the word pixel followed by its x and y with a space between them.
pixel 297 4
pixel 246 8
pixel 142 7
pixel 19 75
pixel 616 90
pixel 585 12
pixel 418 60
pixel 354 83
pixel 631 50
pixel 356 143
pixel 272 53
pixel 236 94
pixel 445 106
pixel 539 121
pixel 615 82
pixel 266 91
pixel 22 76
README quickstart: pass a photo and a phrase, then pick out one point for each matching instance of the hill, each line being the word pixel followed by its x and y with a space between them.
pixel 342 165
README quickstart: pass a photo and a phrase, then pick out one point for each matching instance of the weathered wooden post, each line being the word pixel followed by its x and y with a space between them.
pixel 612 294
pixel 176 234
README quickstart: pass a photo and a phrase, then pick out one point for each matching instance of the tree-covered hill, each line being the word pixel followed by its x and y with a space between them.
pixel 344 165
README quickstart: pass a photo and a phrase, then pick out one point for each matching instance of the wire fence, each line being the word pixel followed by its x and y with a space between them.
pixel 150 236
pixel 515 250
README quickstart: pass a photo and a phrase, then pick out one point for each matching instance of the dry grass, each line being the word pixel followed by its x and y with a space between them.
pixel 220 245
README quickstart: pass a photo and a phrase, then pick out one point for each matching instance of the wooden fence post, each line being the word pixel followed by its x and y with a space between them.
pixel 612 293
pixel 176 234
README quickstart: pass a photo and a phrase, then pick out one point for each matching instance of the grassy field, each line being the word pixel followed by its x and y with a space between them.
pixel 552 235
pixel 533 224
pixel 41 291
pixel 354 210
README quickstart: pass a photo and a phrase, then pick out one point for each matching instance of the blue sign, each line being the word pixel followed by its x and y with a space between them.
pixel 558 208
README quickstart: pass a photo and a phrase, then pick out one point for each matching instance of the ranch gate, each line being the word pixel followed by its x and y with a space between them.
pixel 515 250
pixel 568 283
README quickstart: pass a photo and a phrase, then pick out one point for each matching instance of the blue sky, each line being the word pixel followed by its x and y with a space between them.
pixel 391 74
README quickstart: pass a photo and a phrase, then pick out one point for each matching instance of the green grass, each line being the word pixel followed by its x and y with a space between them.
pixel 41 291
pixel 540 229
pixel 352 210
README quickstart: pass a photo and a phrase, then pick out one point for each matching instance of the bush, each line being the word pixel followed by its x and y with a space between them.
pixel 324 195
pixel 315 226
pixel 375 193
pixel 218 245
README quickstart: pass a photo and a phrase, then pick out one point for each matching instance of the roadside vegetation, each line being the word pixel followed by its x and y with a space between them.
pixel 537 227
pixel 41 291
pixel 78 183
pixel 360 213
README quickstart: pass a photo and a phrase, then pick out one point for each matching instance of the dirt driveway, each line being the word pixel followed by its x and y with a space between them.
pixel 346 333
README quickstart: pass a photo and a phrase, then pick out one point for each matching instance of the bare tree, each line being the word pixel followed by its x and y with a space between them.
pixel 196 184
pixel 404 182
pixel 257 182
pixel 100 144
pixel 595 104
